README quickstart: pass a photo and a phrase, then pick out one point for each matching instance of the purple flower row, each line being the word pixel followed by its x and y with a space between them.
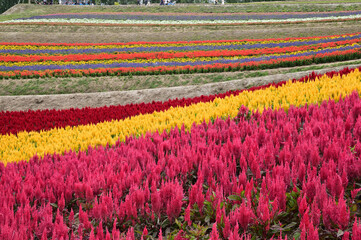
pixel 188 63
pixel 180 48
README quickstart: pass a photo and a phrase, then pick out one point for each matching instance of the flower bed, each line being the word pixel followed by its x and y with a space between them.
pixel 142 58
pixel 281 161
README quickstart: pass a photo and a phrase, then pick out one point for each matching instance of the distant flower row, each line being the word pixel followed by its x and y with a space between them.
pixel 137 46
pixel 20 60
pixel 136 18
pixel 28 61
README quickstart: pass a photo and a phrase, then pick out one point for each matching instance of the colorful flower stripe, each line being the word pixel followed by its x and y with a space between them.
pixel 14 122
pixel 10 60
pixel 146 48
pixel 187 19
pixel 243 176
pixel 188 59
pixel 25 145
pixel 181 57
pixel 220 65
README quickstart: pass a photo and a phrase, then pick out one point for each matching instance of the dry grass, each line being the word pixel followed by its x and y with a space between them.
pixel 27 10
pixel 96 34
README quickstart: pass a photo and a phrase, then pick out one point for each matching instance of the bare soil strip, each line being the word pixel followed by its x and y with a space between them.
pixel 282 6
pixel 96 34
pixel 81 100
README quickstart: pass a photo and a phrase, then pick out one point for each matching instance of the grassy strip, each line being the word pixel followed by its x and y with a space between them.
pixel 28 10
pixel 123 83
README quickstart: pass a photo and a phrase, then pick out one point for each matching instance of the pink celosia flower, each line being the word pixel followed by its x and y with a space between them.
pixel 145 232
pixel 343 213
pixel 160 236
pixel 214 234
pixel 130 234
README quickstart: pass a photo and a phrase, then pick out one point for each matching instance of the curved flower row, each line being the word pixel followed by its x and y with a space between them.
pixel 151 68
pixel 188 59
pixel 273 175
pixel 56 48
pixel 39 60
pixel 11 60
pixel 25 145
pixel 14 122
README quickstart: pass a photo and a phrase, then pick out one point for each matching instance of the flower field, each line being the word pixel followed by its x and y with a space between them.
pixel 268 160
pixel 279 161
pixel 141 18
pixel 30 60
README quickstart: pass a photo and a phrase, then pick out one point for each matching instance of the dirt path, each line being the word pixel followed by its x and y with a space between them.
pixel 274 6
pixel 96 34
pixel 81 100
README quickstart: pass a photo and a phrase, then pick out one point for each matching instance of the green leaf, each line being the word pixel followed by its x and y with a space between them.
pixel 353 208
pixel 297 235
pixel 208 204
pixel 54 205
pixel 283 214
pixel 276 228
pixel 234 207
pixel 179 224
pixel 165 223
pixel 205 228
pixel 234 198
pixel 139 232
pixel 289 226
